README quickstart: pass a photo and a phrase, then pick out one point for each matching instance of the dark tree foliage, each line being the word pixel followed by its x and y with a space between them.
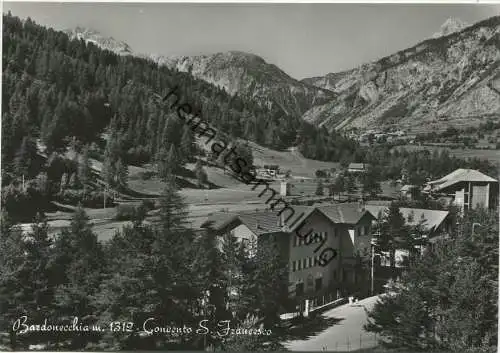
pixel 448 299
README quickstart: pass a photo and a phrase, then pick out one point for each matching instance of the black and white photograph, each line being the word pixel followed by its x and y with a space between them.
pixel 250 176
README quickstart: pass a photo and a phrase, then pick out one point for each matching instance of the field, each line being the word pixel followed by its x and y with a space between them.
pixel 492 155
pixel 225 194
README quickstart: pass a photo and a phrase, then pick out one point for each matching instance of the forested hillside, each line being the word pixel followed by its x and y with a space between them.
pixel 61 90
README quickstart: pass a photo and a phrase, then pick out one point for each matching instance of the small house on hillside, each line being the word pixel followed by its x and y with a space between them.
pixel 468 188
pixel 357 167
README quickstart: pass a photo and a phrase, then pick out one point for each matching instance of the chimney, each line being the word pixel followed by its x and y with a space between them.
pixel 361 205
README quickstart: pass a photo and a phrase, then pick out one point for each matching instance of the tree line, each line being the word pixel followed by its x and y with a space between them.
pixel 446 299
pixel 161 270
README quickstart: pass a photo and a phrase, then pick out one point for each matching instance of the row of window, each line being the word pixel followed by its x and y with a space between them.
pixel 305 263
pixel 313 238
pixel 299 287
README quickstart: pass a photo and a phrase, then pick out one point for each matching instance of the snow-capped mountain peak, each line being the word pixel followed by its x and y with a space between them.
pixel 451 25
pixel 93 36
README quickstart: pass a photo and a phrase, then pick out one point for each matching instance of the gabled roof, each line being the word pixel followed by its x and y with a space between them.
pixel 259 222
pixel 267 221
pixel 433 218
pixel 408 187
pixel 346 213
pixel 460 175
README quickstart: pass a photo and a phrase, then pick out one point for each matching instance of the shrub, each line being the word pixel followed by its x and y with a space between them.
pixel 125 212
pixel 92 199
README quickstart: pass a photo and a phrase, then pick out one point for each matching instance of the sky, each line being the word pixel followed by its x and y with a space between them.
pixel 304 40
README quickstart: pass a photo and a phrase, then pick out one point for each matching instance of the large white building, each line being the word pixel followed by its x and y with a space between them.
pixel 339 232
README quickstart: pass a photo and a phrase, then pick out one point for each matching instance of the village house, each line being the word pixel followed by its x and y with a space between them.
pixel 345 228
pixel 357 168
pixel 466 188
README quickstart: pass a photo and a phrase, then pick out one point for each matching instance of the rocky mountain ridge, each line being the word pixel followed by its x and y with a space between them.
pixel 450 80
pixel 93 36
pixel 250 76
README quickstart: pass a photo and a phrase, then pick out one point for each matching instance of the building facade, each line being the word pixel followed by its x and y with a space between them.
pixel 325 258
pixel 467 188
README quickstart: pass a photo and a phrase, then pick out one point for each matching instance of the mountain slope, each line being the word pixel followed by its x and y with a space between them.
pixel 90 35
pixel 450 80
pixel 251 77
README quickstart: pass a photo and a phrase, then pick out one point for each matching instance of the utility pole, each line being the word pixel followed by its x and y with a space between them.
pixel 105 190
pixel 373 244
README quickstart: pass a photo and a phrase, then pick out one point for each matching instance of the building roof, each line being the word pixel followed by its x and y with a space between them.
pixel 347 213
pixel 357 166
pixel 460 175
pixel 434 218
pixel 407 187
pixel 259 222
pixel 267 221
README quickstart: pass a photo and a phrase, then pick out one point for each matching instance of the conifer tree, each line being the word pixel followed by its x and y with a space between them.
pixel 12 283
pixel 79 257
pixel 84 168
pixel 320 188
pixel 29 273
pixel 187 147
pixel 201 175
pixel 172 160
pixel 24 158
pixel 121 172
pixel 350 185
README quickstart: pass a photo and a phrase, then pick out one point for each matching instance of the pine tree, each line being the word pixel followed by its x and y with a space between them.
pixel 30 274
pixel 80 258
pixel 12 284
pixel 320 188
pixel 172 160
pixel 351 186
pixel 393 232
pixel 24 158
pixel 160 280
pixel 449 298
pixel 121 172
pixel 109 165
pixel 201 175
pixel 187 147
pixel 264 291
pixel 84 168
pixel 371 183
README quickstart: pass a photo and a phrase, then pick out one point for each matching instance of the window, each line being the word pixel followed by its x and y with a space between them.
pixel 299 289
pixel 304 263
pixel 319 283
pixel 299 265
pixel 245 242
pixel 362 230
pixel 316 260
pixel 310 262
pixel 294 266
